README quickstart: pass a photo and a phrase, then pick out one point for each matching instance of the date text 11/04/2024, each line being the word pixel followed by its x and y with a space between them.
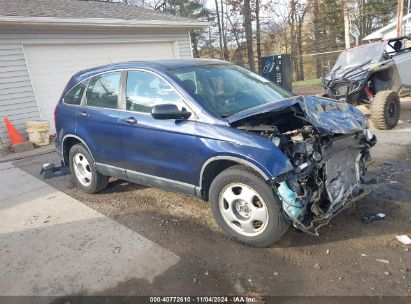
pixel 204 299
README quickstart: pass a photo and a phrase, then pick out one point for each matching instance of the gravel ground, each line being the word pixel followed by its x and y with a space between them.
pixel 349 258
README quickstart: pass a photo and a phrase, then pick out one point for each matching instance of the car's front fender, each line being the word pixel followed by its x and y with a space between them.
pixel 225 143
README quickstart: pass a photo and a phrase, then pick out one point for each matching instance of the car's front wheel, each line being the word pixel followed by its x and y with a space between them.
pixel 84 171
pixel 246 208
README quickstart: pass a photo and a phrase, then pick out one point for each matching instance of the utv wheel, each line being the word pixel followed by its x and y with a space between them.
pixel 385 110
pixel 245 207
pixel 84 172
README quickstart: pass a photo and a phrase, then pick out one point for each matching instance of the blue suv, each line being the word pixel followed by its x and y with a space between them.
pixel 260 156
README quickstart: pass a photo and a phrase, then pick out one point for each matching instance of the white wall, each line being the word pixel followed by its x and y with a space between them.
pixel 17 100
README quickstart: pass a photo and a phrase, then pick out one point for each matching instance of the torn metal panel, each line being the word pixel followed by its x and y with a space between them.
pixel 327 116
pixel 334 117
pixel 342 171
pixel 326 142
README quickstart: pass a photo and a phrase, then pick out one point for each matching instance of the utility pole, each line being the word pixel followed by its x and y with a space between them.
pixel 400 11
pixel 346 26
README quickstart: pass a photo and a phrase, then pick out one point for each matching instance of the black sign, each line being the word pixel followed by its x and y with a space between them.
pixel 277 69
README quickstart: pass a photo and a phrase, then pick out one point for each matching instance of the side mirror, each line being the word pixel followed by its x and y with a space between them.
pixel 169 111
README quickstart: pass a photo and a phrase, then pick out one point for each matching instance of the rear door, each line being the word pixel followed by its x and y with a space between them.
pixel 66 112
pixel 156 152
pixel 97 119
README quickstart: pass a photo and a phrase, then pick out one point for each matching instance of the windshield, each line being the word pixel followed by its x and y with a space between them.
pixel 228 89
pixel 360 55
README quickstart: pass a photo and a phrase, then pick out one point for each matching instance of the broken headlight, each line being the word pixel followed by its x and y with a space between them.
pixel 340 89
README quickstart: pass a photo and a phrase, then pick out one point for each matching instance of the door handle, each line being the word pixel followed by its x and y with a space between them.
pixel 83 114
pixel 130 120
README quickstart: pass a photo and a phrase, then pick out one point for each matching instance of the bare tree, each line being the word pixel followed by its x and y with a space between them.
pixel 226 55
pixel 249 34
pixel 316 32
pixel 220 33
pixel 258 32
pixel 298 11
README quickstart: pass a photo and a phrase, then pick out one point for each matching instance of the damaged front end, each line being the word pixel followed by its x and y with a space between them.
pixel 328 145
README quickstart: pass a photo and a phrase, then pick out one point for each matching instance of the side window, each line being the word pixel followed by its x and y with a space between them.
pixel 102 90
pixel 145 90
pixel 74 96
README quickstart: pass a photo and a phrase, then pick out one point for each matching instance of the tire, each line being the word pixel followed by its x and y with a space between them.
pixel 84 171
pixel 234 217
pixel 385 110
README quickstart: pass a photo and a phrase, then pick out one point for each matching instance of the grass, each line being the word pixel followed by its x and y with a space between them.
pixel 306 83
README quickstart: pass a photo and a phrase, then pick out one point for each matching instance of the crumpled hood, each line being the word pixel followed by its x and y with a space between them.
pixel 326 115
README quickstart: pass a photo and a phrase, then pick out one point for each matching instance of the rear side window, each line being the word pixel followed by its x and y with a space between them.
pixel 73 97
pixel 102 90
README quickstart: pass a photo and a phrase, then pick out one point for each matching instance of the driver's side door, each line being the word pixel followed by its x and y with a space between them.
pixel 157 152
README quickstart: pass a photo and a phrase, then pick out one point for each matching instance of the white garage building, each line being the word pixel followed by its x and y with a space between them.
pixel 44 42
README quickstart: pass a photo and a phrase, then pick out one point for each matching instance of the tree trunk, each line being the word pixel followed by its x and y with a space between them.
pixel 317 46
pixel 182 8
pixel 300 49
pixel 249 34
pixel 294 55
pixel 194 43
pixel 258 33
pixel 210 50
pixel 237 40
pixel 226 55
pixel 220 34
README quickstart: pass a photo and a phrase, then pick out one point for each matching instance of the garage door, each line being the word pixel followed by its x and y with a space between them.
pixel 51 66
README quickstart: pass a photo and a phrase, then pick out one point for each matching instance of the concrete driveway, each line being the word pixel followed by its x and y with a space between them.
pixel 52 244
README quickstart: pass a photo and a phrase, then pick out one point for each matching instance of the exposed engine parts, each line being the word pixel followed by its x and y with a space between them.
pixel 327 169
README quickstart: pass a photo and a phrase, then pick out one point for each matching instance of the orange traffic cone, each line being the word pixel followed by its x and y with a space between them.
pixel 15 136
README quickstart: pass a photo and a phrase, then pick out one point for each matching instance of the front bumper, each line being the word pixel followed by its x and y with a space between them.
pixel 343 90
pixel 341 168
pixel 361 192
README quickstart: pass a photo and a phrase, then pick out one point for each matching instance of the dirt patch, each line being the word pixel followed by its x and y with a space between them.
pixel 314 89
pixel 343 260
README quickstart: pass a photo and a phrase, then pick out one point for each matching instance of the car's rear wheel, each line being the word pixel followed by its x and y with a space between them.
pixel 246 208
pixel 385 110
pixel 84 171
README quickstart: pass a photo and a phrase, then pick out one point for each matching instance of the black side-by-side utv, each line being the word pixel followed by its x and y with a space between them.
pixel 374 75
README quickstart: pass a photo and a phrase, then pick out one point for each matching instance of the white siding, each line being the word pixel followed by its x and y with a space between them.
pixel 17 100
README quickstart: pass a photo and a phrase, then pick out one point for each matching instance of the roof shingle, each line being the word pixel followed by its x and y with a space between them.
pixel 83 9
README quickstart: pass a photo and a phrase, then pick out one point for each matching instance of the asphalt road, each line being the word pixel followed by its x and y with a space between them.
pixel 349 258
